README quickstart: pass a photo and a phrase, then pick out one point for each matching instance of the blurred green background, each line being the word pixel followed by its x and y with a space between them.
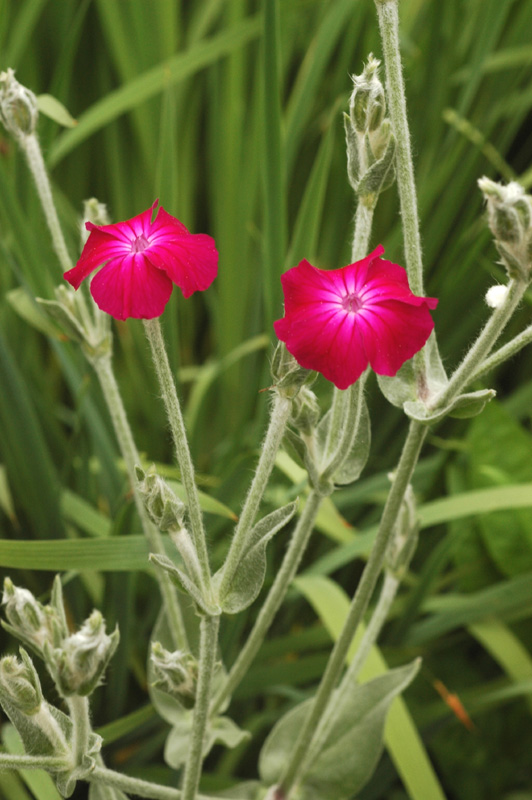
pixel 230 113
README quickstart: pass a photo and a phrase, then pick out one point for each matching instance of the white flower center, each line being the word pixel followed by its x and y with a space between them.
pixel 139 244
pixel 352 303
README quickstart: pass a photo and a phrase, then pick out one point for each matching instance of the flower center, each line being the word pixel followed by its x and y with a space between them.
pixel 139 244
pixel 352 303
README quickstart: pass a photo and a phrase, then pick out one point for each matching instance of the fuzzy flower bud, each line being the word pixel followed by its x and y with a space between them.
pixel 369 139
pixel 95 212
pixel 77 666
pixel 18 106
pixel 28 620
pixel 367 105
pixel 176 673
pixel 305 411
pixel 164 507
pixel 287 374
pixel 20 686
pixel 510 221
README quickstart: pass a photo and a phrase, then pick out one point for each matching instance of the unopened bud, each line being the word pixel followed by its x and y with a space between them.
pixel 19 684
pixel 367 105
pixel 165 509
pixel 287 374
pixel 510 221
pixel 28 620
pixel 305 411
pixel 95 212
pixel 18 106
pixel 77 666
pixel 176 673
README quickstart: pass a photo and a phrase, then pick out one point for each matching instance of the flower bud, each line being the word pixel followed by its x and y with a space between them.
pixel 19 684
pixel 166 510
pixel 95 212
pixel 510 221
pixel 287 374
pixel 18 106
pixel 30 621
pixel 305 411
pixel 176 673
pixel 78 664
pixel 367 105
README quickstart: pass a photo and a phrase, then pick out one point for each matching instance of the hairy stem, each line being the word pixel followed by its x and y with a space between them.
pixel 154 334
pixel 279 417
pixel 207 658
pixel 366 586
pixel 273 600
pixel 104 371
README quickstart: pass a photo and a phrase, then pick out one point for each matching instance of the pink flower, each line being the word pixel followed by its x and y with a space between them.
pixel 143 259
pixel 337 321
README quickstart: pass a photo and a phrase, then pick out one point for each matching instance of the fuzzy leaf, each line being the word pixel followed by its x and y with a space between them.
pixel 380 175
pixel 183 582
pixel 354 744
pixel 402 388
pixel 251 570
pixel 354 464
pixel 465 405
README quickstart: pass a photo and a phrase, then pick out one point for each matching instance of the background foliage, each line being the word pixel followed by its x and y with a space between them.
pixel 235 124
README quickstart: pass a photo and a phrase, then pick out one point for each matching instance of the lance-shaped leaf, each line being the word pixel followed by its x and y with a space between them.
pixel 463 406
pixel 186 584
pixel 354 742
pixel 251 569
pixel 355 462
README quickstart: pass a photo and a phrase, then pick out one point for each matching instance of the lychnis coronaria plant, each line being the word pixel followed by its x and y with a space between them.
pixel 342 322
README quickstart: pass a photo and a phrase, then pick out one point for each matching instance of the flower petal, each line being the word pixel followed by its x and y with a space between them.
pixel 336 321
pixel 131 287
pixel 190 261
pixel 99 248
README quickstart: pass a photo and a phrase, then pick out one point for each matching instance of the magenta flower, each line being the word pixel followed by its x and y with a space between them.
pixel 143 259
pixel 337 321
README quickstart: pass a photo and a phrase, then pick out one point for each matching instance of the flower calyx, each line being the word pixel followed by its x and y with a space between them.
pixel 18 106
pixel 176 673
pixel 28 620
pixel 369 138
pixel 288 375
pixel 510 221
pixel 77 666
pixel 19 684
pixel 165 509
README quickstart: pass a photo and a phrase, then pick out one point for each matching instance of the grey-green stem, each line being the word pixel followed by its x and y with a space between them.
pixel 137 786
pixel 32 150
pixel 79 714
pixel 15 761
pixel 349 681
pixel 154 334
pixel 366 586
pixel 388 15
pixel 273 600
pixel 207 659
pixel 278 418
pixel 474 359
pixel 113 399
pixel 504 353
